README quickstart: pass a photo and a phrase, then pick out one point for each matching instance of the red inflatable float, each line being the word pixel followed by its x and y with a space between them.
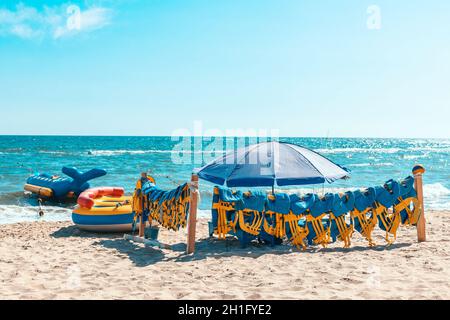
pixel 86 198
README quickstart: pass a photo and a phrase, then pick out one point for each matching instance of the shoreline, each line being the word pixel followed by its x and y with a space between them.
pixel 55 260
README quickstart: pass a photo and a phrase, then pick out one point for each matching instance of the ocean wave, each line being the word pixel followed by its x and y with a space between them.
pixel 109 153
pixel 11 150
pixel 57 152
pixel 28 152
pixel 131 152
pixel 379 164
pixel 357 150
pixel 430 149
pixel 204 213
pixel 437 206
pixel 435 190
pixel 414 156
pixel 15 213
pixel 331 150
pixel 10 197
pixel 382 150
pixel 436 196
pixel 114 152
pixel 322 151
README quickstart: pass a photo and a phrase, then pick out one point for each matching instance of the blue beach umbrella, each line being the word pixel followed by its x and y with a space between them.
pixel 269 164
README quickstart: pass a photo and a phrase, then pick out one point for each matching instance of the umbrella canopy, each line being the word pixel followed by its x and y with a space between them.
pixel 269 164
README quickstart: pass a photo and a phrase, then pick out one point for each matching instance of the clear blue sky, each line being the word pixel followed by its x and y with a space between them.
pixel 148 67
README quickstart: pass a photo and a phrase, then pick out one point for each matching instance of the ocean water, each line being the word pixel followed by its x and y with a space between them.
pixel 171 161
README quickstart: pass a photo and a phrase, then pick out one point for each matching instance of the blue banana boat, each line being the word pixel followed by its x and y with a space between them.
pixel 55 187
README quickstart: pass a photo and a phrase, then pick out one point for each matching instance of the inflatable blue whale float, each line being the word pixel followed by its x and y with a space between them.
pixel 62 188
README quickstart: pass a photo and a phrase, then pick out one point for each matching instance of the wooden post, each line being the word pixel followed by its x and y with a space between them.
pixel 141 220
pixel 418 171
pixel 141 225
pixel 192 221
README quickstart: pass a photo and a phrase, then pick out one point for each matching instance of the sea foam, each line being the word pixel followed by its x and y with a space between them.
pixel 15 213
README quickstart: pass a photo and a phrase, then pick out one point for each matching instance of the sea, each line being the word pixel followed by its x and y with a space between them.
pixel 171 160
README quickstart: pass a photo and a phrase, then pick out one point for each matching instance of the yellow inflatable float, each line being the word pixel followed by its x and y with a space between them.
pixel 104 210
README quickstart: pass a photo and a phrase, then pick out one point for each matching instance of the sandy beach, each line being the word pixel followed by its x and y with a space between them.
pixel 54 260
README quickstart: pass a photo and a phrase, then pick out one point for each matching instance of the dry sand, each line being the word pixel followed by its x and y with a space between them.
pixel 44 260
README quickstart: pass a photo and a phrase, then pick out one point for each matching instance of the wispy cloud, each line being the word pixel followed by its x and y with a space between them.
pixel 55 22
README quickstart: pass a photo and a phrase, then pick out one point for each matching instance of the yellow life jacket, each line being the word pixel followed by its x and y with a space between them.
pixel 254 226
pixel 413 215
pixel 367 223
pixel 322 234
pixel 298 234
pixel 390 221
pixel 345 231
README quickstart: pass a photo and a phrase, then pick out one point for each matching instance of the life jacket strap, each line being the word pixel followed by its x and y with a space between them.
pixel 367 223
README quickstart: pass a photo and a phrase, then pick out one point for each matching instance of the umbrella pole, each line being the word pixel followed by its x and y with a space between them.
pixel 273 189
pixel 192 221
